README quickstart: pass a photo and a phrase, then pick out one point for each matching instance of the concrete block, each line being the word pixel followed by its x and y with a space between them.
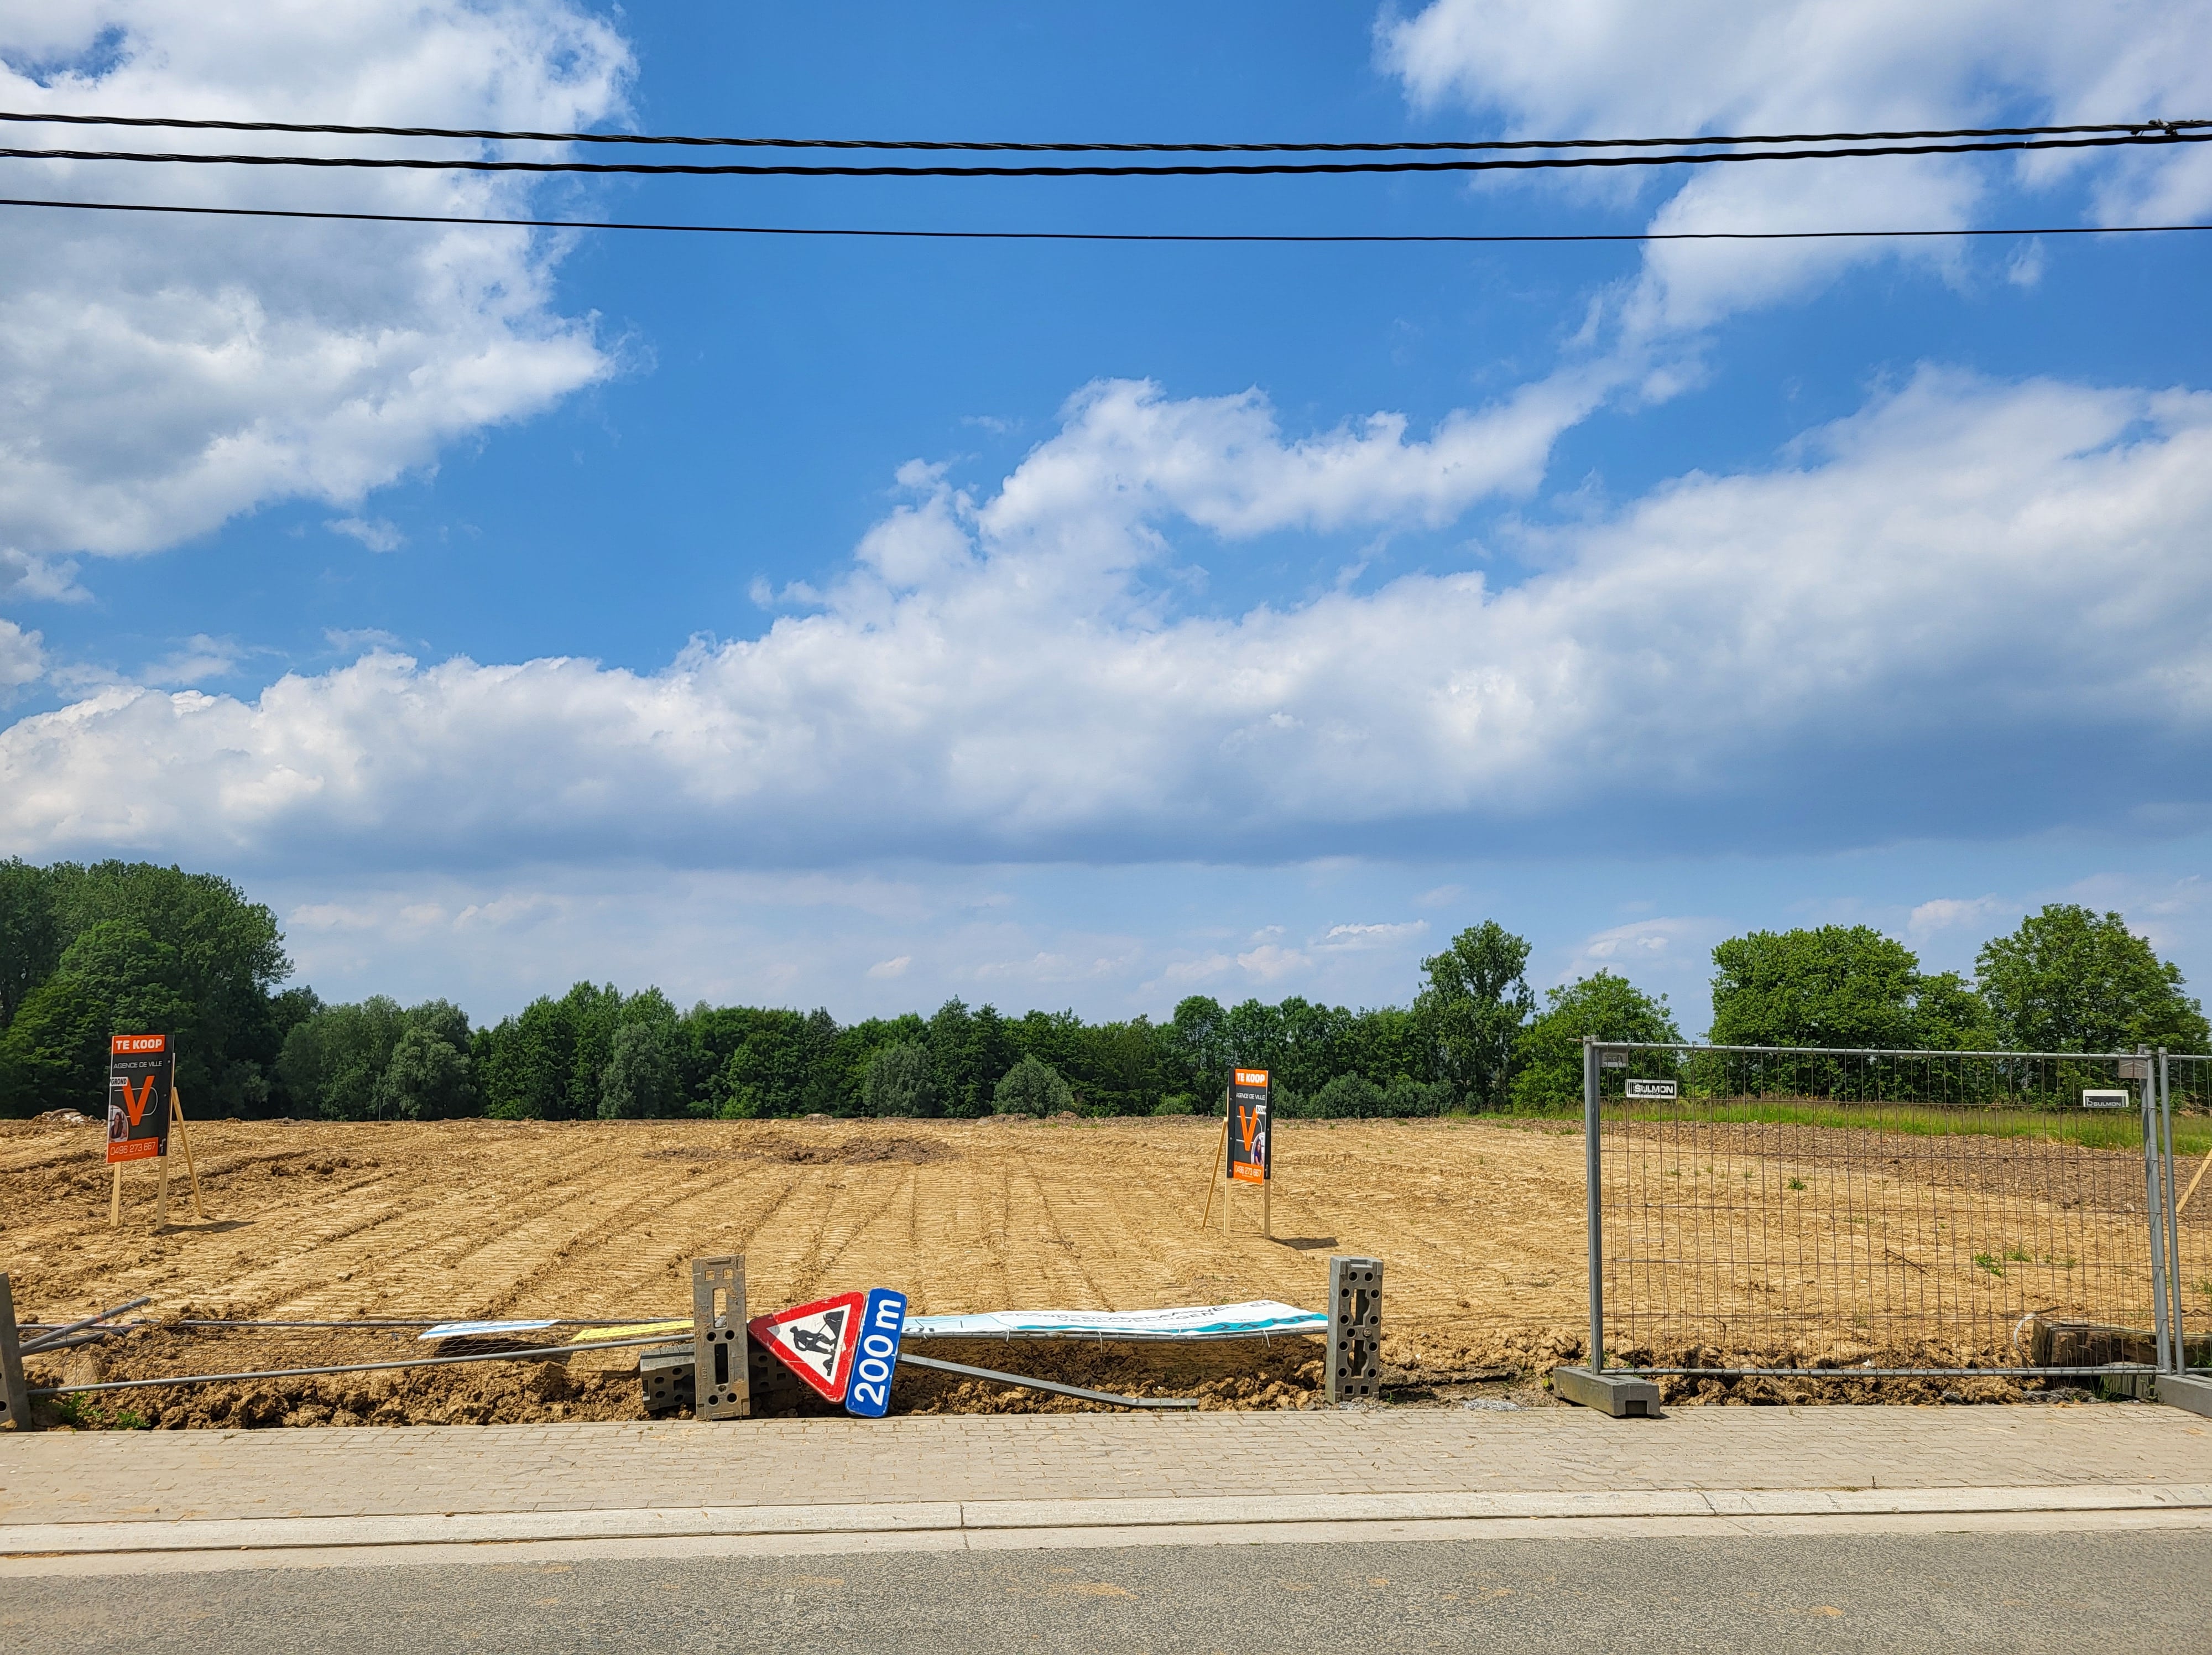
pixel 719 1390
pixel 2190 1390
pixel 1623 1396
pixel 1355 1330
pixel 667 1376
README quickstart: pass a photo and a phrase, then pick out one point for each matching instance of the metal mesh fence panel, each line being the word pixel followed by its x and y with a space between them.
pixel 1796 1210
pixel 2189 1120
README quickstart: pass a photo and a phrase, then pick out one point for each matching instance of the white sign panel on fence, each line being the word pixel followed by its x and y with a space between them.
pixel 1651 1088
pixel 2106 1100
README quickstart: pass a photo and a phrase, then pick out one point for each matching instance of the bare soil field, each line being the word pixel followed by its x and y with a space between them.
pixel 1479 1224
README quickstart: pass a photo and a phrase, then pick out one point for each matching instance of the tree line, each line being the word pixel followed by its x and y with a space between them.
pixel 86 951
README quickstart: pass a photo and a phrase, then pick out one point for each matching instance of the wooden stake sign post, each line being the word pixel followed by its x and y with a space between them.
pixel 1247 1146
pixel 142 1105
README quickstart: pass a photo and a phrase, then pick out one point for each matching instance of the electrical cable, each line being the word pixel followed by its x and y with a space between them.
pixel 2158 136
pixel 1259 238
pixel 496 135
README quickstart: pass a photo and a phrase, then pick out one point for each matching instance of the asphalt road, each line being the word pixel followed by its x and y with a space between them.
pixel 1956 1594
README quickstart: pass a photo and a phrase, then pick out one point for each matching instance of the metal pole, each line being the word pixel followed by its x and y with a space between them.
pixel 1590 1178
pixel 2155 1204
pixel 2173 1213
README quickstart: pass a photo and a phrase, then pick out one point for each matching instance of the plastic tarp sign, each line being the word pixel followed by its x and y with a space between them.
pixel 471 1330
pixel 815 1342
pixel 1247 1320
pixel 876 1357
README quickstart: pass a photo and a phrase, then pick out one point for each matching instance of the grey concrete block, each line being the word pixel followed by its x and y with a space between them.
pixel 1623 1396
pixel 719 1390
pixel 2190 1390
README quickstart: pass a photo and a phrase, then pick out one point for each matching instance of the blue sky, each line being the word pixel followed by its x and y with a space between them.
pixel 862 623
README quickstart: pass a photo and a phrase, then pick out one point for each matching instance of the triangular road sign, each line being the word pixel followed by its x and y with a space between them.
pixel 815 1341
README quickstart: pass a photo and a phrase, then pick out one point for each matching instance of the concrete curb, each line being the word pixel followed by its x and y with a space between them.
pixel 1068 1521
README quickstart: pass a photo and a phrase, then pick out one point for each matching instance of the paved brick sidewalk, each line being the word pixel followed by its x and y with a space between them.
pixel 79 1477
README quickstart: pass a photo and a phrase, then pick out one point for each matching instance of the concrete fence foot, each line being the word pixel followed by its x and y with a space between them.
pixel 2189 1390
pixel 1623 1396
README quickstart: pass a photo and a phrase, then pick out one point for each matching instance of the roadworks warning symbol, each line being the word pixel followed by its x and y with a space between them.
pixel 815 1341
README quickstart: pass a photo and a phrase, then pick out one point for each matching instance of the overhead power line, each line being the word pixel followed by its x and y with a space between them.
pixel 1323 147
pixel 1194 169
pixel 1261 237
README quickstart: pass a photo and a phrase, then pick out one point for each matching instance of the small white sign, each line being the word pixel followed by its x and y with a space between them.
pixel 2135 1068
pixel 1652 1089
pixel 1613 1059
pixel 2106 1100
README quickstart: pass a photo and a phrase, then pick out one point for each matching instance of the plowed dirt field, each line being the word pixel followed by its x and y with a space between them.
pixel 1479 1225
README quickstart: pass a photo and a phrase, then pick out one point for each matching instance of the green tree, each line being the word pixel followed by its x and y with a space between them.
pixel 1834 986
pixel 30 933
pixel 1548 1060
pixel 427 1077
pixel 2071 980
pixel 900 1082
pixel 229 957
pixel 1032 1087
pixel 115 977
pixel 1472 1008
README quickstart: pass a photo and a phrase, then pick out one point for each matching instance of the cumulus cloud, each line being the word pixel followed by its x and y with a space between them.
pixel 1614 68
pixel 1897 628
pixel 22 659
pixel 377 533
pixel 167 373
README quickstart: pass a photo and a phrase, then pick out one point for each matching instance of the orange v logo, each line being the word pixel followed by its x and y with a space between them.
pixel 1248 1124
pixel 136 1108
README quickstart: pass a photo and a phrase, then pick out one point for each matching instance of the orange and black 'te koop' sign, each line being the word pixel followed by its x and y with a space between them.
pixel 1249 1159
pixel 141 1070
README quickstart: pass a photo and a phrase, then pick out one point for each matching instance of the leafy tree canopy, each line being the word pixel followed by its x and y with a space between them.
pixel 1031 1087
pixel 1835 985
pixel 2072 980
pixel 1472 1008
pixel 1605 1006
pixel 902 1082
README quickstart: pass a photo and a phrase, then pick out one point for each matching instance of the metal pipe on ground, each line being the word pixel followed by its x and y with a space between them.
pixel 45 1340
pixel 528 1354
pixel 1052 1385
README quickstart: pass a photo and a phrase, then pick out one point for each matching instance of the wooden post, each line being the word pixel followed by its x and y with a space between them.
pixel 14 1396
pixel 1214 1173
pixel 177 1119
pixel 115 1201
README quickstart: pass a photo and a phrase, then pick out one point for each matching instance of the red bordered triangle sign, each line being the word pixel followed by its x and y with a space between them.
pixel 815 1341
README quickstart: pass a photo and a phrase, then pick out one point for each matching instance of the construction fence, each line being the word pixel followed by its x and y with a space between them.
pixel 1807 1211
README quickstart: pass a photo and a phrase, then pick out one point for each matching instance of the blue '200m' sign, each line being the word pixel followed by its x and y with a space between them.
pixel 882 1321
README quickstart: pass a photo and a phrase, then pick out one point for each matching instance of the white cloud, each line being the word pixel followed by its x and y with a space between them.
pixel 166 373
pixel 1669 947
pixel 1949 913
pixel 1271 962
pixel 1338 938
pixel 1616 68
pixel 1906 619
pixel 22 659
pixel 377 533
pixel 890 968
pixel 201 658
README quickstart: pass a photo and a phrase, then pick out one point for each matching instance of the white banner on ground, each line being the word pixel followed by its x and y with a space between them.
pixel 467 1330
pixel 1245 1321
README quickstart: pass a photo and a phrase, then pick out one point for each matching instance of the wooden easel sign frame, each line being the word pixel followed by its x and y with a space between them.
pixel 142 1104
pixel 1247 1151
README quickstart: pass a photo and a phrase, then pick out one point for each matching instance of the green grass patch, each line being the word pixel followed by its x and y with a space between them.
pixel 2091 1129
